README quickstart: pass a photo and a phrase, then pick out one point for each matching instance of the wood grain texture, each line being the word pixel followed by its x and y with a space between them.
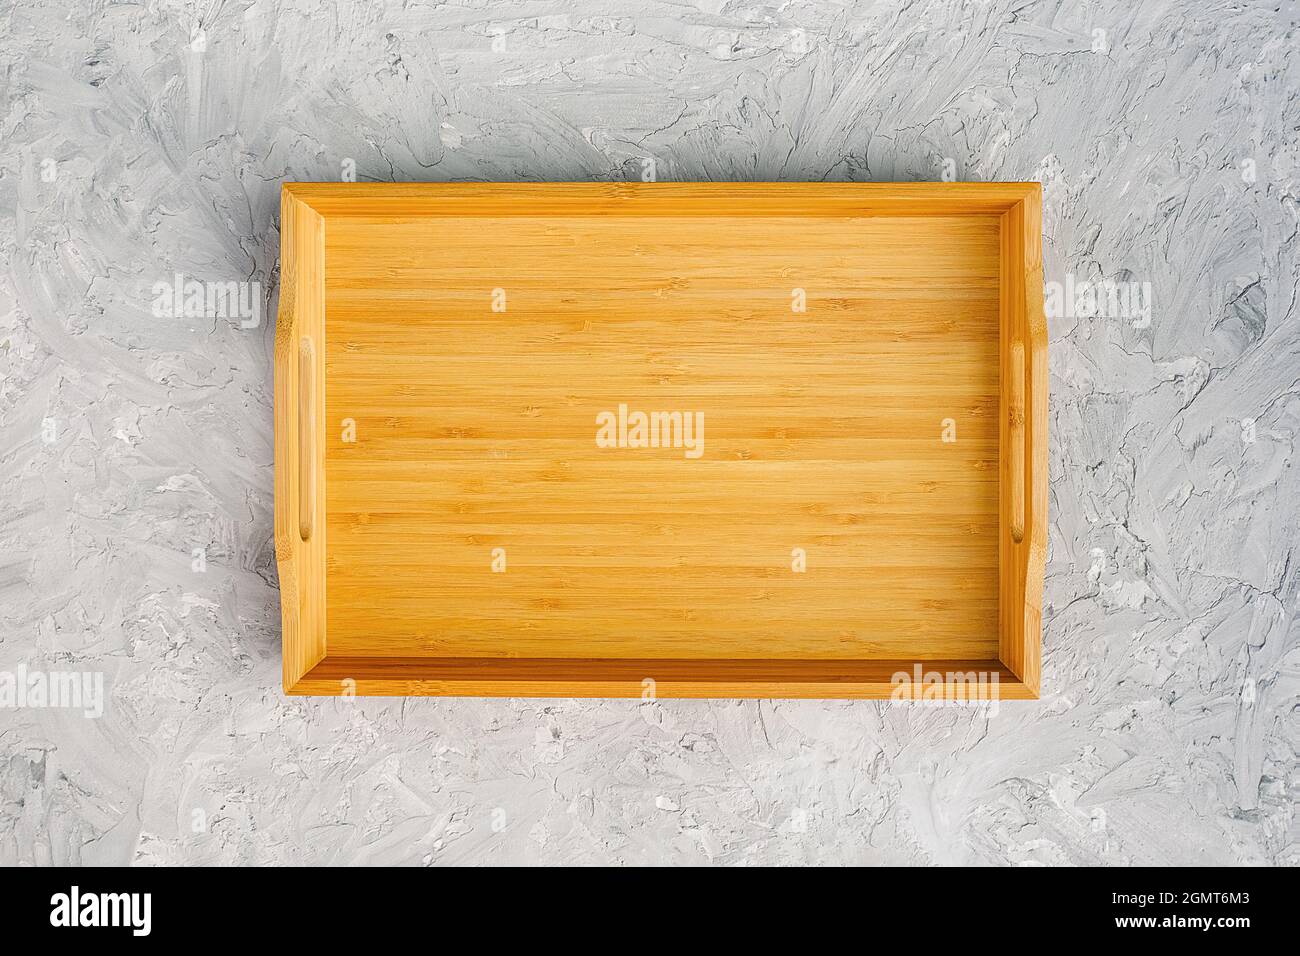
pixel 1023 558
pixel 701 200
pixel 301 563
pixel 467 338
pixel 653 678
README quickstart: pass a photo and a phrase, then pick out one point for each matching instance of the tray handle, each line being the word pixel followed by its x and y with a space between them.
pixel 306 438
pixel 1017 413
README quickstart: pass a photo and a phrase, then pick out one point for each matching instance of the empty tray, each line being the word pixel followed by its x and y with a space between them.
pixel 675 439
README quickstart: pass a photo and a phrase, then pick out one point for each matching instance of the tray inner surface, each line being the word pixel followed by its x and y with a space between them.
pixel 475 429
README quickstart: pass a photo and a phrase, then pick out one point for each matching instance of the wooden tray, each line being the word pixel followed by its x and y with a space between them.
pixel 449 519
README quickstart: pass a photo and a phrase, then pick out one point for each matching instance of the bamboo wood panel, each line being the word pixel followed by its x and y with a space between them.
pixel 466 512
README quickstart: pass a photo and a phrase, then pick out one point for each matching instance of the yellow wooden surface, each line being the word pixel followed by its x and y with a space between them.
pixel 964 680
pixel 451 428
pixel 301 562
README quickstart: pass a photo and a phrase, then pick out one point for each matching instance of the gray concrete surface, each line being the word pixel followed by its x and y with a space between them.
pixel 136 497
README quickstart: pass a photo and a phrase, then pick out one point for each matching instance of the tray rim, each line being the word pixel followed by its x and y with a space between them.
pixel 306 209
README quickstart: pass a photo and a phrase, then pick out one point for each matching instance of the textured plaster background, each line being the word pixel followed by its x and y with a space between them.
pixel 1168 148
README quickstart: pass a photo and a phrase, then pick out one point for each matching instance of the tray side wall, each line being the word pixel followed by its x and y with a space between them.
pixel 301 564
pixel 468 200
pixel 951 680
pixel 1024 323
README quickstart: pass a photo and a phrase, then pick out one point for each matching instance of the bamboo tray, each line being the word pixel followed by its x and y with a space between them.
pixel 851 501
